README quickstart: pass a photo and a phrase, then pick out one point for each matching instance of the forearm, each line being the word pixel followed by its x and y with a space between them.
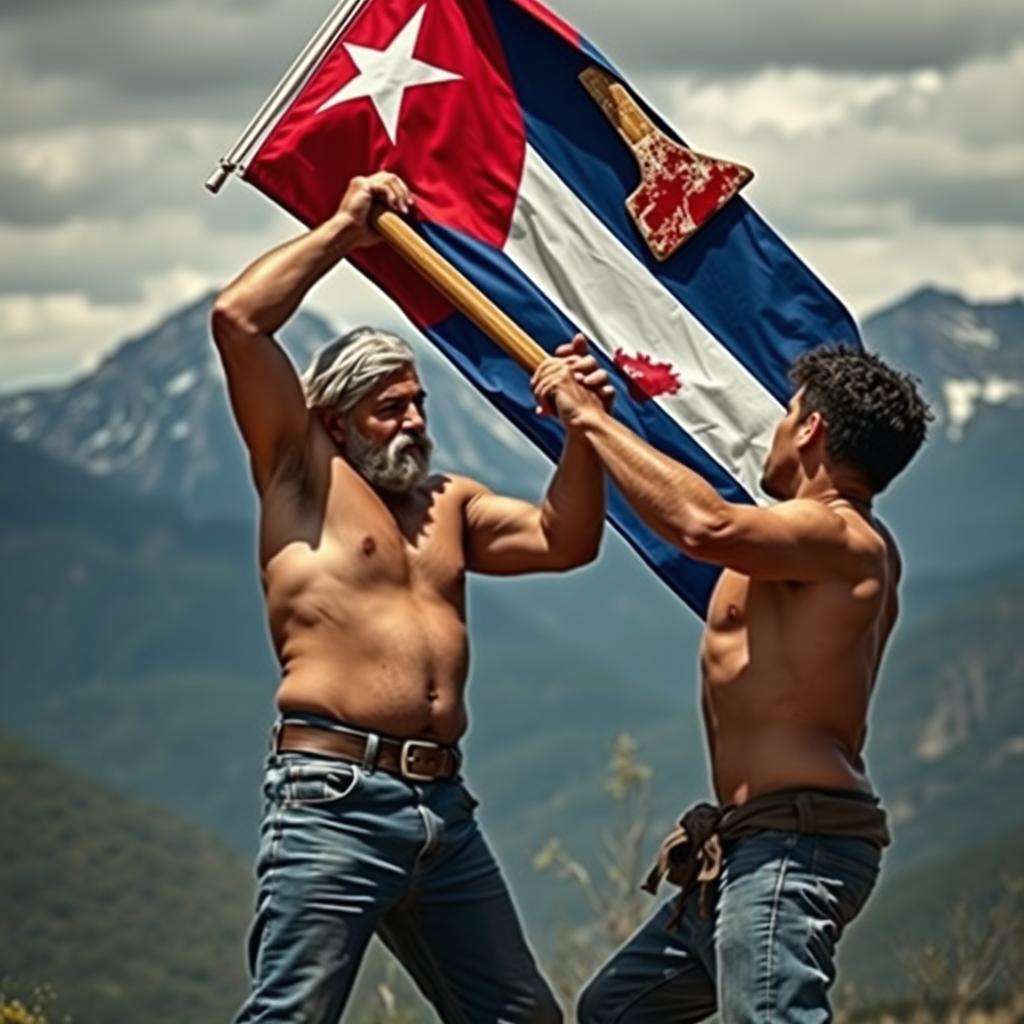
pixel 572 514
pixel 265 295
pixel 672 500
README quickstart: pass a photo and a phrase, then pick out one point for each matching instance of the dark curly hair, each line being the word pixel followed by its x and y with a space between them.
pixel 875 417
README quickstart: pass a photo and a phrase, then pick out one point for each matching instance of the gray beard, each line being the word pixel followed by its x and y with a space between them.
pixel 396 467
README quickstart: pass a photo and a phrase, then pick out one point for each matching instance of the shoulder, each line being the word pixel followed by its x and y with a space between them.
pixel 481 507
pixel 859 549
pixel 450 484
pixel 869 543
pixel 815 519
pixel 891 548
pixel 840 522
pixel 447 498
pixel 463 488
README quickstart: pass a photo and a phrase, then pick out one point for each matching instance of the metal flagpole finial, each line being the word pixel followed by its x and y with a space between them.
pixel 215 182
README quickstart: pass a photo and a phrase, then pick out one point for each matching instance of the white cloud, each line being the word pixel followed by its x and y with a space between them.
pixel 120 171
pixel 792 102
pixel 737 36
pixel 50 336
pixel 53 336
pixel 870 270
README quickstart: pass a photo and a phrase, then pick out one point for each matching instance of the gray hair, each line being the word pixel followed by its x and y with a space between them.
pixel 346 370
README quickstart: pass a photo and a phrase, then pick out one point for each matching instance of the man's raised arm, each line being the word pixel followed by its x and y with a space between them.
pixel 798 540
pixel 266 395
pixel 506 536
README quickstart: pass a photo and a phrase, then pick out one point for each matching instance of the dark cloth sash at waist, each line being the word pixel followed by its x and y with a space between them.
pixel 692 852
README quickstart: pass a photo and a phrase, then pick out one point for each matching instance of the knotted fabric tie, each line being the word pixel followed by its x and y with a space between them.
pixel 691 855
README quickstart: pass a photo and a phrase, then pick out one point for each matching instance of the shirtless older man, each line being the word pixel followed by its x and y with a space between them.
pixel 367 826
pixel 796 628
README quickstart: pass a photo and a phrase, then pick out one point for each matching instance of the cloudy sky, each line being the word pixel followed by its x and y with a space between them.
pixel 886 137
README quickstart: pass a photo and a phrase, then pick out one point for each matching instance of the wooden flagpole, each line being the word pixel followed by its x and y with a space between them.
pixel 459 290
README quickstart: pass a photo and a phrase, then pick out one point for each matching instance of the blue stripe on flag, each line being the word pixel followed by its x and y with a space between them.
pixel 737 276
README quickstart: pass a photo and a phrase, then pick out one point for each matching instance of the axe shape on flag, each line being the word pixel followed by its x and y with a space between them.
pixel 679 190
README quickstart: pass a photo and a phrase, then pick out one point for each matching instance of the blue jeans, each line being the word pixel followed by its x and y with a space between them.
pixel 347 853
pixel 764 952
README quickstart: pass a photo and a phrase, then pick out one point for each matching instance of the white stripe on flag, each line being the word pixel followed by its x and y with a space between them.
pixel 614 299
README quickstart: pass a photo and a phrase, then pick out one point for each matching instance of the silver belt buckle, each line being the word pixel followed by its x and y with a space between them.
pixel 409 748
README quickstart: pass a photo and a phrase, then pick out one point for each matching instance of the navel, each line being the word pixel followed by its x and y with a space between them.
pixel 369 546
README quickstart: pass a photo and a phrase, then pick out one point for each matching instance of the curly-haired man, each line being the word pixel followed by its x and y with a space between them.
pixel 796 628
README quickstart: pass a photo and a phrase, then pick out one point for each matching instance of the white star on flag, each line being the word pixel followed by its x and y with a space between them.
pixel 384 75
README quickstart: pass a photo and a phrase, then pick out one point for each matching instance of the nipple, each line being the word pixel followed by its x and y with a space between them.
pixel 369 546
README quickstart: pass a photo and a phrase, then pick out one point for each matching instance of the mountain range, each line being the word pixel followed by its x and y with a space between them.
pixel 134 649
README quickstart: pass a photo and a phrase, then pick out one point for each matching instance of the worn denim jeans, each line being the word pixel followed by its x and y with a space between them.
pixel 763 954
pixel 347 853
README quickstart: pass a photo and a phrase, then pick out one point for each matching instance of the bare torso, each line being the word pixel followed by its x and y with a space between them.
pixel 366 599
pixel 788 670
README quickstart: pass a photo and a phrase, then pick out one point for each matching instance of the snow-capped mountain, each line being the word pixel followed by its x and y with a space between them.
pixel 968 356
pixel 960 503
pixel 154 418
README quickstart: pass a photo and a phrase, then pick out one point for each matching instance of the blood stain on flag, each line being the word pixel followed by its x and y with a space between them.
pixel 647 379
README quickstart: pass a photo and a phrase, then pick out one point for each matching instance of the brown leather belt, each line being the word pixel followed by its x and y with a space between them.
pixel 417 760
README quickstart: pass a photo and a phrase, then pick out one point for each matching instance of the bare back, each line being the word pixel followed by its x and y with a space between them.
pixel 366 600
pixel 788 671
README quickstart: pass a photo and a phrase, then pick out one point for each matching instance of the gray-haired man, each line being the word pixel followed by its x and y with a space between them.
pixel 364 553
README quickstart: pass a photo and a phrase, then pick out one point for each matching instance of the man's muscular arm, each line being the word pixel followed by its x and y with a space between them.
pixel 506 536
pixel 796 540
pixel 265 392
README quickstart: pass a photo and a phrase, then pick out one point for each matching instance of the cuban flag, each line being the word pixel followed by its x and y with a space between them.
pixel 521 182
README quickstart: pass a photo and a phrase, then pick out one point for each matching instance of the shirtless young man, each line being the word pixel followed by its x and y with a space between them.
pixel 367 826
pixel 795 632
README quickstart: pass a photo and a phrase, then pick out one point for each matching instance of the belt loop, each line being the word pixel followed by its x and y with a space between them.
pixel 275 737
pixel 805 814
pixel 370 751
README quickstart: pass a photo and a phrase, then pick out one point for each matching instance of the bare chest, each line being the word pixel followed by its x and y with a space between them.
pixel 352 539
pixel 728 610
pixel 746 623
